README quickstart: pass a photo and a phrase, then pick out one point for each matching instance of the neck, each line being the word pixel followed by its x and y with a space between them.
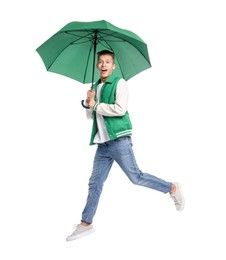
pixel 102 80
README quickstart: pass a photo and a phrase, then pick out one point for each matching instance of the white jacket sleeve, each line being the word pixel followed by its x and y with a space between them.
pixel 119 108
pixel 89 112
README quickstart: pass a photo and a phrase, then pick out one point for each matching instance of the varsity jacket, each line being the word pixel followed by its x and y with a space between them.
pixel 116 126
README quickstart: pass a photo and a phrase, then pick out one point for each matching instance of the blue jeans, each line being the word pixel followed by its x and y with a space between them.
pixel 119 150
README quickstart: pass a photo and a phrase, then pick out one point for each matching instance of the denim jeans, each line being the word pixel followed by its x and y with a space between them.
pixel 121 151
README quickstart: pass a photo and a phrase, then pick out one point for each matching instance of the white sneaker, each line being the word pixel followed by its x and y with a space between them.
pixel 80 231
pixel 178 197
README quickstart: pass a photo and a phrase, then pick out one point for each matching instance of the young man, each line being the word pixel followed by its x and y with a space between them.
pixel 112 129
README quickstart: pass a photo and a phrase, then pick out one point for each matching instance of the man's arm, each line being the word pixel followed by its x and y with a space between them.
pixel 119 108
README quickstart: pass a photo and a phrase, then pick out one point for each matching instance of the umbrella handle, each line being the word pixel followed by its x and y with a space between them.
pixel 82 102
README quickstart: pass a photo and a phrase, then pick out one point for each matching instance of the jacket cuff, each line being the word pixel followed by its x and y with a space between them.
pixel 95 107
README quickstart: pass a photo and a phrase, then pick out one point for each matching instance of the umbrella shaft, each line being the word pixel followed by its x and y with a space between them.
pixel 94 55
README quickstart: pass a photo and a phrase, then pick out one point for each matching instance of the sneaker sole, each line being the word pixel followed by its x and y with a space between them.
pixel 182 196
pixel 85 233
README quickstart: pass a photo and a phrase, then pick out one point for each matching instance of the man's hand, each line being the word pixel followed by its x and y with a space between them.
pixel 91 103
pixel 90 98
pixel 90 94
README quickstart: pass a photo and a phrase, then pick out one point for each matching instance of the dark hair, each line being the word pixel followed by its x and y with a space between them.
pixel 103 52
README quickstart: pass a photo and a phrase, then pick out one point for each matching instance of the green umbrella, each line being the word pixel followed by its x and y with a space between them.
pixel 72 50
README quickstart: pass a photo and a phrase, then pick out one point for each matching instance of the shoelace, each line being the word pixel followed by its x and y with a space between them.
pixel 75 226
pixel 173 197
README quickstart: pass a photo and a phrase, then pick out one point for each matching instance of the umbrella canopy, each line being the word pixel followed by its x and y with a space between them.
pixel 72 50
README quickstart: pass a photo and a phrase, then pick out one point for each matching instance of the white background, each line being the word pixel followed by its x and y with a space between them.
pixel 178 112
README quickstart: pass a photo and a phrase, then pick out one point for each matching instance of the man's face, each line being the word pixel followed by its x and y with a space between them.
pixel 105 65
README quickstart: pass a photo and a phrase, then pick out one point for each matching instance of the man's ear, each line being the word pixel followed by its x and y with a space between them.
pixel 114 66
